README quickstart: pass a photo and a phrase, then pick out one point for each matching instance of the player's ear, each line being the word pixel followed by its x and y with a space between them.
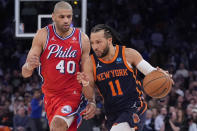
pixel 109 40
pixel 53 16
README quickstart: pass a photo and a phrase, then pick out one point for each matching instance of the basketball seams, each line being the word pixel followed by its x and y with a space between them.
pixel 153 80
pixel 160 86
pixel 165 89
pixel 157 84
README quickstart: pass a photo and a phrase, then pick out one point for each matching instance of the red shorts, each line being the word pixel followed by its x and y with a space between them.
pixel 62 106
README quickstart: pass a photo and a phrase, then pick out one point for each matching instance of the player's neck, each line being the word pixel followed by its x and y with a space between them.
pixel 65 33
pixel 111 54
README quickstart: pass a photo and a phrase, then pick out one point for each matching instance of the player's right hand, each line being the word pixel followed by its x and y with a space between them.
pixel 167 73
pixel 82 78
pixel 33 62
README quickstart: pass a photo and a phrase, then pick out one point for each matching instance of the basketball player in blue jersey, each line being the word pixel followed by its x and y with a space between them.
pixel 113 72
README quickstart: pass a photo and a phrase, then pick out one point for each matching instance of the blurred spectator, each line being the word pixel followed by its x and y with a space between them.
pixel 36 111
pixel 157 38
pixel 149 122
pixel 182 71
pixel 192 125
pixel 180 116
pixel 170 123
pixel 159 120
pixel 20 119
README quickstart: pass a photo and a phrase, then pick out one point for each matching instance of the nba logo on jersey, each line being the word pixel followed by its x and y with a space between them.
pixel 66 109
pixel 119 60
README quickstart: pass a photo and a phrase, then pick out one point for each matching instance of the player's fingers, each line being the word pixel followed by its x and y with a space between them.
pixel 34 60
pixel 35 56
pixel 170 75
pixel 91 109
pixel 172 81
pixel 158 68
pixel 34 64
pixel 78 73
pixel 89 116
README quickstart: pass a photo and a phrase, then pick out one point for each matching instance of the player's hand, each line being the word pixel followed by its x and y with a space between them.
pixel 167 73
pixel 82 78
pixel 90 111
pixel 33 62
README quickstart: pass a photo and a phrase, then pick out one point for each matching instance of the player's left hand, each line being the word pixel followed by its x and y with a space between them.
pixel 90 111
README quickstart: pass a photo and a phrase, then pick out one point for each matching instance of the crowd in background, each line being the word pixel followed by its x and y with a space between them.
pixel 164 32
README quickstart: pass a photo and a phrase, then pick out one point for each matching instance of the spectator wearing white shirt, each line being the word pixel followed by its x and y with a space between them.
pixel 159 120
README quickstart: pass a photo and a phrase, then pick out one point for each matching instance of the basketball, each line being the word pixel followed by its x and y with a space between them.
pixel 157 84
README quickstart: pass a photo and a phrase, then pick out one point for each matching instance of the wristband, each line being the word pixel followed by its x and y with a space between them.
pixel 93 103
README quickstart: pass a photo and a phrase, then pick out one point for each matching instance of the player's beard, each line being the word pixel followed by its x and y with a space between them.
pixel 62 28
pixel 105 51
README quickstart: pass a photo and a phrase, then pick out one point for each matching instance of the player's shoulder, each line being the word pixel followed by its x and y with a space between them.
pixel 132 55
pixel 41 32
pixel 85 41
pixel 41 37
pixel 130 51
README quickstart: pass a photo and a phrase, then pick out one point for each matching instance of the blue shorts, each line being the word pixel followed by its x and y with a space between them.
pixel 134 120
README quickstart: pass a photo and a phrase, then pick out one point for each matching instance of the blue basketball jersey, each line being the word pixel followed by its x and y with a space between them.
pixel 117 83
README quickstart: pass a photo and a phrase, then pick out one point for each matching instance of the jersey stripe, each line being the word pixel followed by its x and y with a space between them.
pixel 94 66
pixel 80 41
pixel 39 73
pixel 73 31
pixel 115 56
pixel 48 35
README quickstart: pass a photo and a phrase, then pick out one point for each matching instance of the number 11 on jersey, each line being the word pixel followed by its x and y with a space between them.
pixel 70 67
pixel 117 83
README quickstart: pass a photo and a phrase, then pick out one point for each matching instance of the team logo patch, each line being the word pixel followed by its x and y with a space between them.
pixel 136 118
pixel 119 60
pixel 66 109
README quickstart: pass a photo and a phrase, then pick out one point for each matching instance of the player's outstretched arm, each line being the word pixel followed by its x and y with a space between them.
pixel 135 58
pixel 86 77
pixel 33 56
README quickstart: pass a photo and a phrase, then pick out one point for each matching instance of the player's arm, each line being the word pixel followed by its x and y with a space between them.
pixel 86 78
pixel 135 58
pixel 32 60
pixel 86 64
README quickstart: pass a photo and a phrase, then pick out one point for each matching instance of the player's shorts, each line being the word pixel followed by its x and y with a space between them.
pixel 135 118
pixel 65 106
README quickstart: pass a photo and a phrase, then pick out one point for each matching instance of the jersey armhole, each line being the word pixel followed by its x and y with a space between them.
pixel 94 67
pixel 80 42
pixel 47 40
pixel 125 62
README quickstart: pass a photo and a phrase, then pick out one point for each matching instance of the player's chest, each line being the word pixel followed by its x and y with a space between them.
pixel 110 71
pixel 63 50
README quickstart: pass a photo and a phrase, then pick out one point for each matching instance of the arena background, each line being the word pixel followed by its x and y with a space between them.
pixel 163 31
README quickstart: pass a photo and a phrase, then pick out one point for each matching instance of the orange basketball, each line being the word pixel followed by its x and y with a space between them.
pixel 157 84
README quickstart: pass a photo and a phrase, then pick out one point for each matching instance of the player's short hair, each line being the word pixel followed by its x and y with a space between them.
pixel 109 32
pixel 62 5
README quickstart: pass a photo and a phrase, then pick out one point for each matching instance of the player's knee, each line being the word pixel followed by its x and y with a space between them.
pixel 58 124
pixel 122 126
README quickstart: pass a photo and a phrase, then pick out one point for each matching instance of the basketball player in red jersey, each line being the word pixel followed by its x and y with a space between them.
pixel 60 52
pixel 113 72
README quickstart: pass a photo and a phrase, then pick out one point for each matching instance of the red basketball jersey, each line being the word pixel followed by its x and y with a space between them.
pixel 60 61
